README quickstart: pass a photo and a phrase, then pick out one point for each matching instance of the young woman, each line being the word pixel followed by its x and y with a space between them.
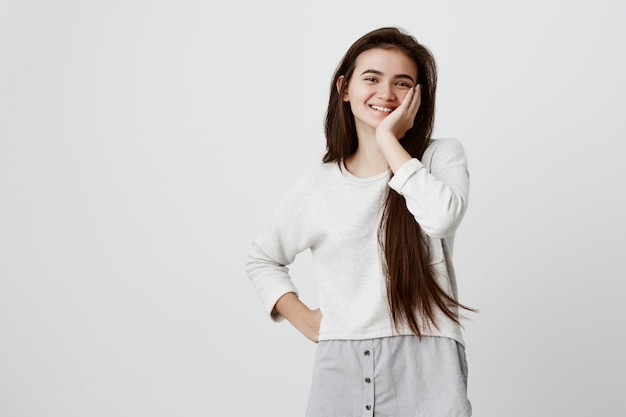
pixel 379 216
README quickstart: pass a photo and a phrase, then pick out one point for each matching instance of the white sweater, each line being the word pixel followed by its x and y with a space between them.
pixel 336 215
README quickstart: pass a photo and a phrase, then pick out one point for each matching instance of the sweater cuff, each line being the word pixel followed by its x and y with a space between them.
pixel 403 174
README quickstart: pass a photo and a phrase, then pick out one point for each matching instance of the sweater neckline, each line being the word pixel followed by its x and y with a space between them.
pixel 348 175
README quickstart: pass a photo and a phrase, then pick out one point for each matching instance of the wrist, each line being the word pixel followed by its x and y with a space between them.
pixel 385 137
pixel 301 316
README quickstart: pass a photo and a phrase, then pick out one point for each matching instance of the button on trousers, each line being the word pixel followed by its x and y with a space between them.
pixel 400 376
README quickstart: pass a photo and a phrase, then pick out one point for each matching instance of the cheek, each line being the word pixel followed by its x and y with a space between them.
pixel 402 95
pixel 357 95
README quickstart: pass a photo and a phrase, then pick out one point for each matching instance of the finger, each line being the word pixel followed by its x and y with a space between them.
pixel 416 99
pixel 408 99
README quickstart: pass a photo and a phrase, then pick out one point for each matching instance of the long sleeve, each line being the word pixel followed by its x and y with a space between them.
pixel 337 217
pixel 275 249
pixel 436 189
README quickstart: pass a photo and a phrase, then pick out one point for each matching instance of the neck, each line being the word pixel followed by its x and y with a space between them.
pixel 368 160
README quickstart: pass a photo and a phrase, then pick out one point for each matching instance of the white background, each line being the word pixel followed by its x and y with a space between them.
pixel 144 144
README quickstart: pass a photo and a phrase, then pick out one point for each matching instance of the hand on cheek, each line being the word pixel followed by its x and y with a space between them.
pixel 402 118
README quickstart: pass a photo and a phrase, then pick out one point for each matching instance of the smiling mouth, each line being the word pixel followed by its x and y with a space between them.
pixel 382 109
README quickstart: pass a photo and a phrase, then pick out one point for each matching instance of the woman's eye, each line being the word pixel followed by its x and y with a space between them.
pixel 370 79
pixel 403 84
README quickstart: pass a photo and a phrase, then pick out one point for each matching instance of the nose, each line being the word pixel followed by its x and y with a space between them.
pixel 385 92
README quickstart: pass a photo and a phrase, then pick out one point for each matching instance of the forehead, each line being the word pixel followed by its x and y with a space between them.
pixel 388 61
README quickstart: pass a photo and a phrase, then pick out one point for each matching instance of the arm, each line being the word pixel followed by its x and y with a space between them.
pixel 436 195
pixel 304 319
pixel 394 126
pixel 288 234
pixel 436 189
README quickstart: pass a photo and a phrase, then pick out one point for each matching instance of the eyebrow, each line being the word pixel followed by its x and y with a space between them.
pixel 380 73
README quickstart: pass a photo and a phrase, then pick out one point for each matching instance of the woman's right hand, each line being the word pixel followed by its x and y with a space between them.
pixel 310 325
pixel 301 317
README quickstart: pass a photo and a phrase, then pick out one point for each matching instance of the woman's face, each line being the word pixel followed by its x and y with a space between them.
pixel 381 79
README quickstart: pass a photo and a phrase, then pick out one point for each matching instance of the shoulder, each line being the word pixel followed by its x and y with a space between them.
pixel 445 146
pixel 444 152
pixel 312 182
pixel 318 177
pixel 300 202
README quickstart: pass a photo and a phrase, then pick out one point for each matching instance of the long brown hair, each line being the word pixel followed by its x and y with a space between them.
pixel 412 291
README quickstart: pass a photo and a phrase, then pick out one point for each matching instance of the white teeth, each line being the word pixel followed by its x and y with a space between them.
pixel 385 109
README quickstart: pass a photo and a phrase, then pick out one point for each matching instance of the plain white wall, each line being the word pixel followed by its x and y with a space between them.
pixel 144 144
